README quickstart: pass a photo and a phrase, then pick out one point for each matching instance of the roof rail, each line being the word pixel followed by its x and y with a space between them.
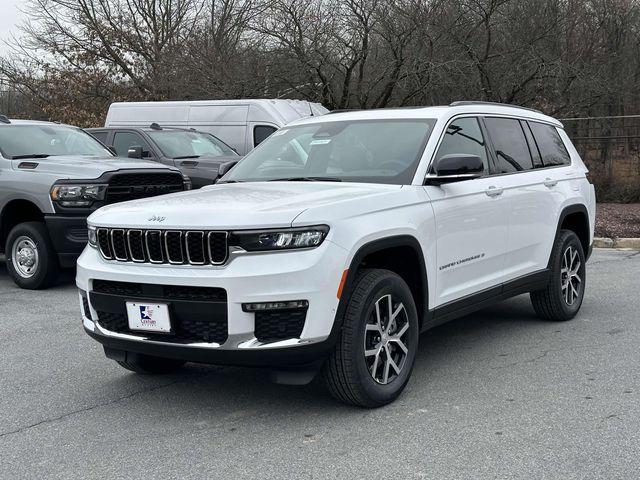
pixel 478 102
pixel 4 119
pixel 343 110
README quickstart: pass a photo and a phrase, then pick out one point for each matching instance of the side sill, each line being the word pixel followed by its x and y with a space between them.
pixel 476 301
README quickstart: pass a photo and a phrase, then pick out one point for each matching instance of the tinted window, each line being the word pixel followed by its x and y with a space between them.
pixel 122 141
pixel 511 149
pixel 101 136
pixel 464 136
pixel 552 149
pixel 260 133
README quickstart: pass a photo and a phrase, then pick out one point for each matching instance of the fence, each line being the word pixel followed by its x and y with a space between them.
pixel 610 146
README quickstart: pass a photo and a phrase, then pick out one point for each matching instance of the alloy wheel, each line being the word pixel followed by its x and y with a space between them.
pixel 385 339
pixel 571 280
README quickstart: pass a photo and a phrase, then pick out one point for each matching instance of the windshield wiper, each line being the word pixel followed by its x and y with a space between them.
pixel 31 155
pixel 186 156
pixel 307 179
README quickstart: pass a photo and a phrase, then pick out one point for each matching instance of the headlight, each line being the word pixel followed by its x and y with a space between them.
pixel 93 237
pixel 77 195
pixel 281 239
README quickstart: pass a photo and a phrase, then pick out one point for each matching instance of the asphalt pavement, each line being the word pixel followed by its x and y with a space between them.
pixel 498 394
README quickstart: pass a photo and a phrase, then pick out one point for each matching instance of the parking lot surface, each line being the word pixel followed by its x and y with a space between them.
pixel 498 394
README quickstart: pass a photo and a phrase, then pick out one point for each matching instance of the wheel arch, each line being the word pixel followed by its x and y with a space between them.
pixel 379 254
pixel 576 218
pixel 17 211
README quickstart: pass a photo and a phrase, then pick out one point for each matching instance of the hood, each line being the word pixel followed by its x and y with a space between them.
pixel 84 167
pixel 237 205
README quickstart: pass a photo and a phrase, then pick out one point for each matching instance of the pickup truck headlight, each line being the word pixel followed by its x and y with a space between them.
pixel 93 237
pixel 76 195
pixel 281 239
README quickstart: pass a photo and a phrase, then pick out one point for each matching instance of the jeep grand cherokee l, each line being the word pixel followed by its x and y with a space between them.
pixel 338 240
pixel 52 177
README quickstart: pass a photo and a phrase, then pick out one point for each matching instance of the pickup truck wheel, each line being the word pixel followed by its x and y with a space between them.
pixel 374 355
pixel 31 260
pixel 562 297
pixel 150 365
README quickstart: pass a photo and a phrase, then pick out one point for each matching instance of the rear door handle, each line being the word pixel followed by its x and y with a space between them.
pixel 549 182
pixel 493 191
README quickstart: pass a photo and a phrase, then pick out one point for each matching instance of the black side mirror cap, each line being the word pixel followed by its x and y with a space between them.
pixel 455 168
pixel 134 152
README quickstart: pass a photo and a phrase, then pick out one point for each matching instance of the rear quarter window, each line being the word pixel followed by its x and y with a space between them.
pixel 552 149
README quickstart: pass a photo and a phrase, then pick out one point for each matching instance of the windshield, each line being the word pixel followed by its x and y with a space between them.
pixel 371 151
pixel 182 144
pixel 41 141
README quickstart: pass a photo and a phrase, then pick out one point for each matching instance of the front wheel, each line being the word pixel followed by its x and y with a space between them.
pixel 32 261
pixel 373 358
pixel 562 297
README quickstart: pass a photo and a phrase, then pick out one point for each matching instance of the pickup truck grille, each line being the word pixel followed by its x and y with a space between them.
pixel 176 247
pixel 132 186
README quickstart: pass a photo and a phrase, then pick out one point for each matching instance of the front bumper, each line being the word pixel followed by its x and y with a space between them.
pixel 313 275
pixel 68 235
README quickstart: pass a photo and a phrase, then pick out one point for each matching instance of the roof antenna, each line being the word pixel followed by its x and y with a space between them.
pixel 310 108
pixel 155 126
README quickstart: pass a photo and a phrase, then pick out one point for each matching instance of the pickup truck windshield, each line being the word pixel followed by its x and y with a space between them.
pixel 181 144
pixel 42 141
pixel 366 151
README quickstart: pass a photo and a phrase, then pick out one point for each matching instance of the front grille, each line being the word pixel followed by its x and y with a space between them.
pixel 176 247
pixel 132 186
pixel 197 314
pixel 271 326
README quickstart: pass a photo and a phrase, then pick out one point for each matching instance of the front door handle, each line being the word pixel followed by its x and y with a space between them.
pixel 549 182
pixel 493 191
pixel 188 164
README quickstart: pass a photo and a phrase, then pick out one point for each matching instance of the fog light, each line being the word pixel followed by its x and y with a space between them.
pixel 287 305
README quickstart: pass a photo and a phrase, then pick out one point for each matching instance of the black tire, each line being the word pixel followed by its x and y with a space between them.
pixel 47 267
pixel 149 365
pixel 552 303
pixel 346 372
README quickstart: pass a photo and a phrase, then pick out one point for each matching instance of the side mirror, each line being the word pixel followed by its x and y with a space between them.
pixel 455 167
pixel 224 168
pixel 134 152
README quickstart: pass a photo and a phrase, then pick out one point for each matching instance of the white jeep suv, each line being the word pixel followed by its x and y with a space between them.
pixel 340 239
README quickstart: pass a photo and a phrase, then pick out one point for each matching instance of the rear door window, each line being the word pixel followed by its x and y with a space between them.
pixel 510 145
pixel 551 146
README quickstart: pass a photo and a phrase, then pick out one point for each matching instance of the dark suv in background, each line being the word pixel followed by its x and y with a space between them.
pixel 198 155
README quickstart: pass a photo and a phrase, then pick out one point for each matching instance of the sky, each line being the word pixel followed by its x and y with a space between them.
pixel 10 17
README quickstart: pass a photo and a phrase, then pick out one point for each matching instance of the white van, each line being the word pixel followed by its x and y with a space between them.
pixel 242 124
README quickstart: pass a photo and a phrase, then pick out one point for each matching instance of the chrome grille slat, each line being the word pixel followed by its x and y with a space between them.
pixel 170 237
pixel 175 247
pixel 212 246
pixel 196 257
pixel 136 246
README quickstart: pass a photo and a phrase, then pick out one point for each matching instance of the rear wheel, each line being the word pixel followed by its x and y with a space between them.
pixel 147 364
pixel 373 358
pixel 562 298
pixel 32 261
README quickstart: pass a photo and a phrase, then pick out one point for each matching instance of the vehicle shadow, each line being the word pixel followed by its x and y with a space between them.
pixel 65 279
pixel 205 388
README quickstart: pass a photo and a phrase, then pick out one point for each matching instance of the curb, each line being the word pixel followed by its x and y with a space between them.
pixel 603 242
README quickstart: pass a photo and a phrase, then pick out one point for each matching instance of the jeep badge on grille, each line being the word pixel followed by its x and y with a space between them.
pixel 156 218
